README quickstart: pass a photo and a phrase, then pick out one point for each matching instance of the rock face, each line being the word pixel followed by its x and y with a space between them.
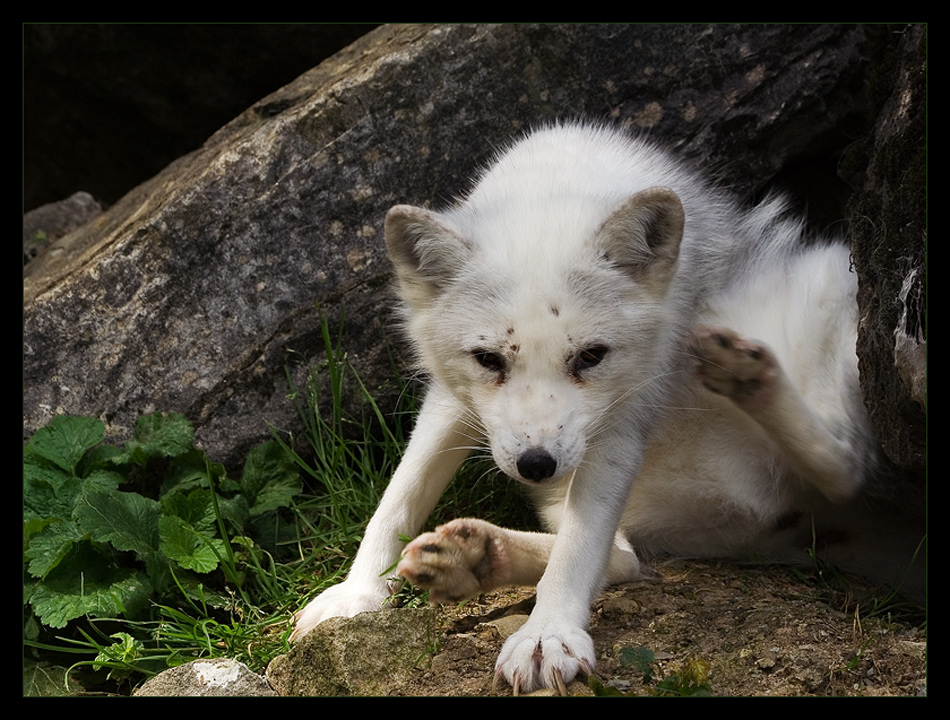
pixel 47 223
pixel 197 289
pixel 889 244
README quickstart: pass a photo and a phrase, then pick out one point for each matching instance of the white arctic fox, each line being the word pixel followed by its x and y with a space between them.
pixel 588 313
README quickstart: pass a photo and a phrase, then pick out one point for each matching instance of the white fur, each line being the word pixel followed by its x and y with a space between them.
pixel 586 312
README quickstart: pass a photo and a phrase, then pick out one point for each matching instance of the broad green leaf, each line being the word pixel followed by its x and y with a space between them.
pixel 638 657
pixel 32 526
pixel 65 440
pixel 42 679
pixel 101 480
pixel 187 547
pixel 195 508
pixel 168 435
pixel 47 548
pixel 157 436
pixel 48 491
pixel 126 594
pixel 190 470
pixel 127 520
pixel 83 584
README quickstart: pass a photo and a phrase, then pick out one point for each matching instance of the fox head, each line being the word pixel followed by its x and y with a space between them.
pixel 545 325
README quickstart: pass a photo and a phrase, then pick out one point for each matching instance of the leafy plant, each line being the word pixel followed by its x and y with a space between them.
pixel 95 550
pixel 640 658
pixel 119 539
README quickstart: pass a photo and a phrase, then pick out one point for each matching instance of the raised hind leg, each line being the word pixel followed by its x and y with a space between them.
pixel 748 373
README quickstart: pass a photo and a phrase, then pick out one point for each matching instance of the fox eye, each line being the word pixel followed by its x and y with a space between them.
pixel 489 360
pixel 589 357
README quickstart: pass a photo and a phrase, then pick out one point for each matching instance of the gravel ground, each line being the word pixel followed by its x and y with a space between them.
pixel 737 631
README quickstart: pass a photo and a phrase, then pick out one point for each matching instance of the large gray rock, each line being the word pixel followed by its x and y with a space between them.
pixel 889 244
pixel 196 289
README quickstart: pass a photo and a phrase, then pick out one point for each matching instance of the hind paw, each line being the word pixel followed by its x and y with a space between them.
pixel 733 366
pixel 456 561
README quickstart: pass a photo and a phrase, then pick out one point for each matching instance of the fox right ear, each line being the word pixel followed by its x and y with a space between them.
pixel 426 253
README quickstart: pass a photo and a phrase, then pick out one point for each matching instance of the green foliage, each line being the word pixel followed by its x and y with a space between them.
pixel 43 679
pixel 346 454
pixel 145 556
pixel 641 659
pixel 121 542
pixel 93 550
pixel 691 679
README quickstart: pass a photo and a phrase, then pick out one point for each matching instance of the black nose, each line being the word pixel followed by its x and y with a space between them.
pixel 536 464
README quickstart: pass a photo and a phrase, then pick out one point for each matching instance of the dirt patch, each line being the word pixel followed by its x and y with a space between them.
pixel 746 631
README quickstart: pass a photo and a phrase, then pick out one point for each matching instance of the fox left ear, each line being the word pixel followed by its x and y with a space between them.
pixel 642 237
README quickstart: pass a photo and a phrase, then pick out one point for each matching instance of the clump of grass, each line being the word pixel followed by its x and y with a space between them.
pixel 690 680
pixel 855 596
pixel 345 461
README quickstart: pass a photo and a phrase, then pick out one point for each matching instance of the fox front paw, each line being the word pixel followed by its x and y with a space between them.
pixel 341 600
pixel 546 657
pixel 456 561
pixel 727 364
